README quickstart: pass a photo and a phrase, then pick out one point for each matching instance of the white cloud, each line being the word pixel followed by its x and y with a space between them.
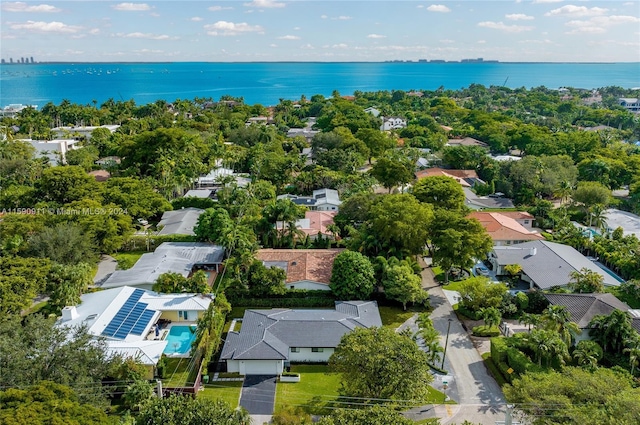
pixel 503 27
pixel 148 51
pixel 337 46
pixel 307 47
pixel 420 6
pixel 376 36
pixel 94 31
pixel 196 19
pixel 289 37
pixel 547 1
pixel 576 11
pixel 265 4
pixel 482 41
pixel 518 17
pixel 323 16
pixel 587 30
pixel 147 36
pixel 598 24
pixel 438 8
pixel 447 41
pixel 24 7
pixel 273 45
pixel 230 28
pixel 342 18
pixel 132 7
pixel 219 8
pixel 296 28
pixel 50 27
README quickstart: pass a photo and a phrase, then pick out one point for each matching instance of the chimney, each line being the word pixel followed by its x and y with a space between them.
pixel 533 251
pixel 69 313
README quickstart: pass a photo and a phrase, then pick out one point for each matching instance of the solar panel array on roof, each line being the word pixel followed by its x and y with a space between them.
pixel 132 318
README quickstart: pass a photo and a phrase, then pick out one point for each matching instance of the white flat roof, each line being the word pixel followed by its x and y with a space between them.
pixel 629 222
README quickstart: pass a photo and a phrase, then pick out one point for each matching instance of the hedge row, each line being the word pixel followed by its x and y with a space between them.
pixel 505 357
pixel 285 302
pixel 484 330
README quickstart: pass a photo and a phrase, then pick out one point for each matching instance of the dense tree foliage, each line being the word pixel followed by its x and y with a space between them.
pixel 181 410
pixel 377 363
pixel 372 415
pixel 352 277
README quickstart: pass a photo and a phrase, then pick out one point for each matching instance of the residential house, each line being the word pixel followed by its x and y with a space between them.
pixel 630 223
pixel 373 111
pixel 545 264
pixel 109 161
pixel 216 177
pixel 505 229
pixel 314 223
pixel 12 110
pixel 135 322
pixel 100 175
pixel 584 307
pixel 320 200
pixel 55 150
pixel 81 132
pixel 305 268
pixel 393 123
pixel 179 222
pixel 175 257
pixel 200 193
pixel 630 104
pixel 467 141
pixel 306 132
pixel 271 340
pixel 257 120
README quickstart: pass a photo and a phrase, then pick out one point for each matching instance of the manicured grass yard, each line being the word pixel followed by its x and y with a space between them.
pixel 227 391
pixel 126 260
pixel 392 317
pixel 177 372
pixel 453 286
pixel 314 393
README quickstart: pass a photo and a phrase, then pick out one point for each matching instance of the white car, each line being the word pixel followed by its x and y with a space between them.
pixel 482 270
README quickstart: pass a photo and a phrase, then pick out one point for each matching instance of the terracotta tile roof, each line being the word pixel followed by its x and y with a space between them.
pixel 318 222
pixel 503 228
pixel 518 215
pixel 100 175
pixel 302 264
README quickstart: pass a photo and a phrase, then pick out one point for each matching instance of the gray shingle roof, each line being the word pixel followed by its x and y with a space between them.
pixel 551 265
pixel 179 222
pixel 176 257
pixel 268 334
pixel 583 307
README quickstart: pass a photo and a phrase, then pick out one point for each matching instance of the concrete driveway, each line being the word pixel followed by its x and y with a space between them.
pixel 258 394
pixel 106 267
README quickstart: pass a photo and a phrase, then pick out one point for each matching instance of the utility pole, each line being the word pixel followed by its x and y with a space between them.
pixel 508 415
pixel 159 388
pixel 446 342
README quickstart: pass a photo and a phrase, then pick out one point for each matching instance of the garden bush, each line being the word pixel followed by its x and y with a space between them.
pixel 484 331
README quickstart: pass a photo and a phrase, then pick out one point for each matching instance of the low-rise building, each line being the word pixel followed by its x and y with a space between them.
pixel 314 223
pixel 305 268
pixel 545 264
pixel 320 200
pixel 466 178
pixel 179 222
pixel 467 141
pixel 175 257
pixel 507 228
pixel 55 150
pixel 81 131
pixel 629 222
pixel 393 123
pixel 137 323
pixel 630 104
pixel 270 340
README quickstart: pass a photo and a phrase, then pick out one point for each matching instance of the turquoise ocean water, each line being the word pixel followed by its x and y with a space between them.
pixel 266 83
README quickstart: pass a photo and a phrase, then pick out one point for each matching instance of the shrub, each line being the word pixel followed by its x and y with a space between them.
pixel 484 330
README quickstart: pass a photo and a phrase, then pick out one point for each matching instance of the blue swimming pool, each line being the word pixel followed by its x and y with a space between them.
pixel 180 339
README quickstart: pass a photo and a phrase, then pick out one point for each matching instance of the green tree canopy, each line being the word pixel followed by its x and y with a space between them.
pixel 586 281
pixel 380 415
pixel 181 410
pixel 61 185
pixel 65 243
pixel 479 292
pixel 441 192
pixel 592 193
pixel 392 172
pixel 402 284
pixel 48 403
pixel 378 363
pixel 352 277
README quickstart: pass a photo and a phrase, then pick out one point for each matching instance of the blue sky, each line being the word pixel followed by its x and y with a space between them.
pixel 274 30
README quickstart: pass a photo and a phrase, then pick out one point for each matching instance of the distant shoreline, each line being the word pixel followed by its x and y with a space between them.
pixel 321 62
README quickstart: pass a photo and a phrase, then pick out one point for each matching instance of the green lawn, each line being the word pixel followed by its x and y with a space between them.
pixel 177 372
pixel 126 260
pixel 438 273
pixel 315 391
pixel 392 317
pixel 453 286
pixel 227 391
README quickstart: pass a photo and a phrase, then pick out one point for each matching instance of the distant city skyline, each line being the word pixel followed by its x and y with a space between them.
pixel 272 30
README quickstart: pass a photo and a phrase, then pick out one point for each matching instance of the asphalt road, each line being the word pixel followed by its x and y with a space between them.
pixel 258 394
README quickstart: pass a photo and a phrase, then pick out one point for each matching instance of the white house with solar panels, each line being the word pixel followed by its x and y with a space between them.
pixel 138 323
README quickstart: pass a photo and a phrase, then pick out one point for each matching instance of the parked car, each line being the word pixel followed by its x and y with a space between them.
pixel 482 270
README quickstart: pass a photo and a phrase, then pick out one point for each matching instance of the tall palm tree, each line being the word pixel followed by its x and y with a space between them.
pixel 611 331
pixel 558 319
pixel 563 191
pixel 491 316
pixel 633 349
pixel 529 319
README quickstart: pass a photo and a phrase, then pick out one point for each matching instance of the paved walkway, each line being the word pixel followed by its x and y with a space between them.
pixel 106 266
pixel 479 397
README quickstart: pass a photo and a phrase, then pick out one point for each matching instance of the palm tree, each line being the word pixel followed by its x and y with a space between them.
pixel 529 319
pixel 634 352
pixel 547 345
pixel 563 191
pixel 585 356
pixel 491 316
pixel 611 331
pixel 558 319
